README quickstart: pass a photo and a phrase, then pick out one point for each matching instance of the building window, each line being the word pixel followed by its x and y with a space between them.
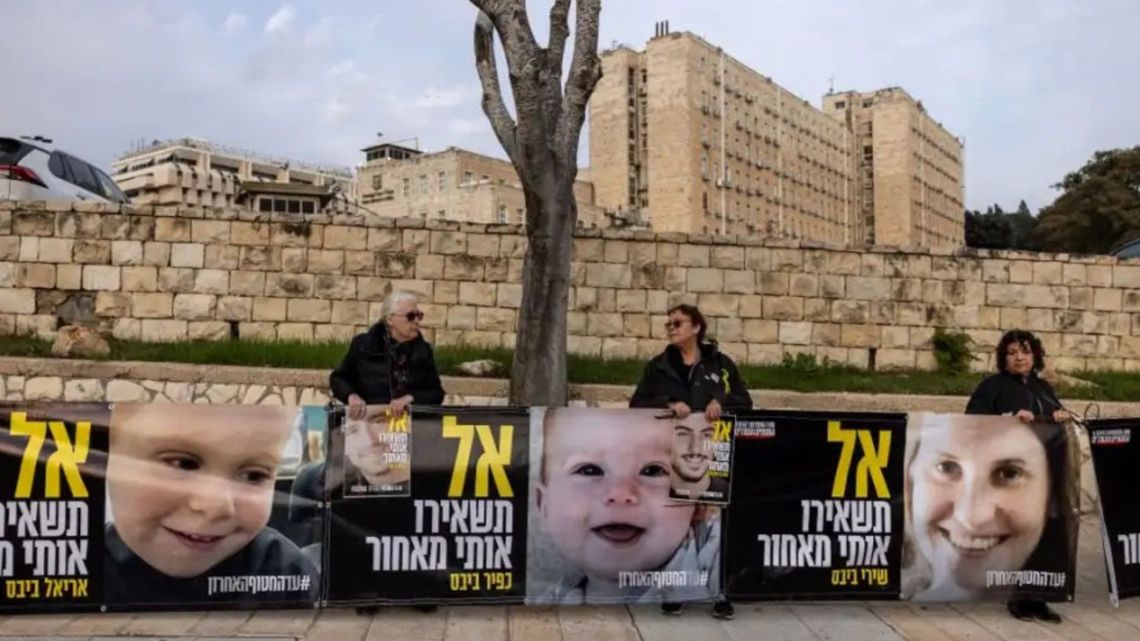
pixel 378 182
pixel 442 213
pixel 404 186
pixel 485 178
pixel 519 211
pixel 423 184
pixel 503 218
pixel 307 207
pixel 264 204
pixel 468 178
pixel 442 180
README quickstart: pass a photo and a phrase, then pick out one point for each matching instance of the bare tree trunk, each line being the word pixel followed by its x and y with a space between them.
pixel 542 142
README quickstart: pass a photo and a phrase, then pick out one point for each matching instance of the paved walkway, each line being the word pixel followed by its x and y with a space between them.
pixel 1091 617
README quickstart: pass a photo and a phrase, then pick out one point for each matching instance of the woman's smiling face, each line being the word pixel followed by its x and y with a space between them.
pixel 979 497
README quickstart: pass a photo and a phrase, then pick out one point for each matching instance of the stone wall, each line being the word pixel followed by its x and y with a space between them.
pixel 165 274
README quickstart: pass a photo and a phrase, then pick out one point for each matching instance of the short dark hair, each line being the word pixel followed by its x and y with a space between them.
pixel 695 317
pixel 1020 337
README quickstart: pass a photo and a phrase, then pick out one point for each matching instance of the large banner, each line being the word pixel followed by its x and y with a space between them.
pixel 428 509
pixel 149 506
pixel 603 526
pixel 1116 458
pixel 817 506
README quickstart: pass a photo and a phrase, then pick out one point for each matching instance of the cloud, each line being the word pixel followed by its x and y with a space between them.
pixel 281 21
pixel 233 24
pixel 341 68
pixel 447 98
pixel 468 126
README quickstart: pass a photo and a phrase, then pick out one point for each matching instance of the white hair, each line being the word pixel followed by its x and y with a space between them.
pixel 394 299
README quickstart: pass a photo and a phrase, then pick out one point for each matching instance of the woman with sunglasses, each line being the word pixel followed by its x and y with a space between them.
pixel 690 376
pixel 390 363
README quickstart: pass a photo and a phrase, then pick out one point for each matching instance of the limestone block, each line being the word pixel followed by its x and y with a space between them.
pixel 463 267
pixel 208 331
pixel 314 311
pixel 619 347
pixel 395 265
pixel 30 249
pixel 751 306
pixel 1126 276
pixel 772 283
pixel 703 280
pixel 1078 345
pixel 832 286
pixel 173 230
pixel 123 391
pixel 258 331
pixel 448 242
pixel 42 326
pixel 607 300
pixel 795 333
pixel 783 308
pixel 860 335
pixel 1108 300
pixel 995 271
pixel 159 331
pixel 247 283
pixel 96 252
pixel 187 255
pixel 826 334
pixel 480 294
pixel 10 248
pixel 101 278
pixel 757 259
pixel 895 359
pixel 328 261
pixel 739 281
pixel 482 338
pixel 719 305
pixel 642 253
pixel 608 275
pixel 447 292
pixel 787 260
pixel 843 263
pixel 210 231
pixel 496 270
pixel 343 237
pixel 815 261
pixel 727 257
pixel 36 275
pixel 127 329
pixel 693 255
pixel 656 301
pixel 295 332
pixel 194 306
pixel 291 235
pixel 461 317
pixel 1099 275
pixel 1074 274
pixel 805 285
pixel 359 262
pixel 868 288
pixel 55 250
pixel 356 313
pixel 212 281
pixel 289 285
pixel 250 232
pixel 627 300
pixel 637 325
pixel 1131 300
pixel 373 289
pixel 83 389
pixel 483 245
pixel 157 254
pixel 817 309
pixel 943 268
pixel 895 337
pixel 1047 273
pixel 510 296
pixel 43 388
pixel 584 345
pixel 260 258
pixel 429 266
pixel 140 279
pixel 495 319
pixel 222 257
pixel 601 324
pixel 765 354
pixel 415 241
pixel 1081 297
pixel 33 223
pixel 589 250
pixel 269 309
pixel 235 308
pixel 616 251
pixel 112 304
pixel 71 277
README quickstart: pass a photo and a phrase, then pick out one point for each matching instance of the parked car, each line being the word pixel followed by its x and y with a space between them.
pixel 32 168
pixel 1130 249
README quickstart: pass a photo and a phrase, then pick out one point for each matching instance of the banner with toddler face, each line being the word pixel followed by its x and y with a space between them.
pixel 603 526
pixel 138 506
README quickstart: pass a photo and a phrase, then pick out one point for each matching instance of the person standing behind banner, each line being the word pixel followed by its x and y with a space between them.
pixel 692 375
pixel 1018 390
pixel 390 363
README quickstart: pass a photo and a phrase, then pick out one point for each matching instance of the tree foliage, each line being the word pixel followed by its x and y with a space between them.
pixel 1099 205
pixel 997 229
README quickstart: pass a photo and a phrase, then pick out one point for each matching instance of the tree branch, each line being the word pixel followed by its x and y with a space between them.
pixel 585 71
pixel 559 33
pixel 493 105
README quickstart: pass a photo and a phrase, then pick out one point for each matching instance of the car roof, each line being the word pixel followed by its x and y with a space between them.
pixel 31 141
pixel 1127 250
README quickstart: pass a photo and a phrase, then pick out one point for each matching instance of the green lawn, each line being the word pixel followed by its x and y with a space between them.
pixel 803 376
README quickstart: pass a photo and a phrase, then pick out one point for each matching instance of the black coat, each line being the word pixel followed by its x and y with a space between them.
pixel 1005 393
pixel 713 377
pixel 366 370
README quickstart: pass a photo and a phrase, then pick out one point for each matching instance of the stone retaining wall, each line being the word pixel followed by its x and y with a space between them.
pixel 161 274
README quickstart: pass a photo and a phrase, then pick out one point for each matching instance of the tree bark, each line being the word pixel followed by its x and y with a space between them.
pixel 541 140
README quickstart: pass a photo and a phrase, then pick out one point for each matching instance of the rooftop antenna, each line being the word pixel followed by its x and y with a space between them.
pixel 831 84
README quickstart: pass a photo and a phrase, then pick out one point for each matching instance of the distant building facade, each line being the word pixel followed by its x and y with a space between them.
pixel 689 139
pixel 194 172
pixel 453 184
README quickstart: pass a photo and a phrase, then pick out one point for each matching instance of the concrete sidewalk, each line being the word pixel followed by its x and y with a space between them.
pixel 1090 617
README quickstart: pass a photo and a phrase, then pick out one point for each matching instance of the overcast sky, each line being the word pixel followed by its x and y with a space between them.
pixel 1033 86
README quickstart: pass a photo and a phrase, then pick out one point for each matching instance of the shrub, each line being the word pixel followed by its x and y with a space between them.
pixel 952 351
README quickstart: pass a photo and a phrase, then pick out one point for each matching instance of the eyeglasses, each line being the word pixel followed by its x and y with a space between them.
pixel 412 316
pixel 674 324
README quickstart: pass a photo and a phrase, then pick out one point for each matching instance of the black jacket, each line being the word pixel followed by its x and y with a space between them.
pixel 713 377
pixel 1005 393
pixel 366 370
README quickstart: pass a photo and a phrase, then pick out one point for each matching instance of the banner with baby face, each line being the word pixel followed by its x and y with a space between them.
pixel 428 507
pixel 817 506
pixel 603 526
pixel 1115 445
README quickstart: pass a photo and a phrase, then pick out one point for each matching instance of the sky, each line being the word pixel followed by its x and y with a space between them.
pixel 1034 87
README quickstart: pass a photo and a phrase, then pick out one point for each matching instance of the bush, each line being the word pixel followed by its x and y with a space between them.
pixel 803 363
pixel 952 351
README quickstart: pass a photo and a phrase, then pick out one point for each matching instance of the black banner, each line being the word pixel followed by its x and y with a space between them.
pixel 452 530
pixel 1116 458
pixel 817 506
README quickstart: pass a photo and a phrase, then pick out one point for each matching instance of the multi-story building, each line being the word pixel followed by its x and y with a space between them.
pixel 696 141
pixel 454 184
pixel 193 172
pixel 908 172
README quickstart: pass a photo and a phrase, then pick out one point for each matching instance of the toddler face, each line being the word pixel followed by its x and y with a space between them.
pixel 190 488
pixel 604 499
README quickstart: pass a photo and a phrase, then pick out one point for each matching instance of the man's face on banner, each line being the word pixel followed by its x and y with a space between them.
pixel 192 487
pixel 604 499
pixel 980 496
pixel 364 444
pixel 692 447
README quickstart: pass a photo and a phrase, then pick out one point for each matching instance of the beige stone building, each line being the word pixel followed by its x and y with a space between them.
pixel 453 184
pixel 695 141
pixel 193 172
pixel 909 170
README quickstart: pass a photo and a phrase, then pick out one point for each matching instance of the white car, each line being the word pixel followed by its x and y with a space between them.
pixel 31 168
